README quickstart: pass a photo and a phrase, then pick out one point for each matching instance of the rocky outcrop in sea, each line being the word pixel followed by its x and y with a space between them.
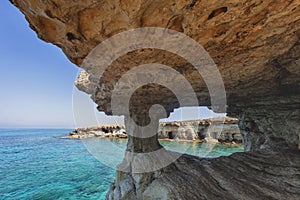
pixel 114 131
pixel 254 45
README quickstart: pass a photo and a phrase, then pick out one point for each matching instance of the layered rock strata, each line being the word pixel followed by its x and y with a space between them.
pixel 186 130
pixel 256 47
pixel 253 175
pixel 225 131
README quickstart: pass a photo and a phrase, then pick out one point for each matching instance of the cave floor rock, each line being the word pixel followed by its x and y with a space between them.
pixel 248 175
pixel 255 45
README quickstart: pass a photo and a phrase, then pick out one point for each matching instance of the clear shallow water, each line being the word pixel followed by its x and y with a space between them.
pixel 36 165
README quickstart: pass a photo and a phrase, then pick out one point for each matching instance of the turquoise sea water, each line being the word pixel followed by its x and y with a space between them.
pixel 36 165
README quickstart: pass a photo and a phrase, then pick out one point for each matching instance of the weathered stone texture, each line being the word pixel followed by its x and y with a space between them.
pixel 260 175
pixel 256 46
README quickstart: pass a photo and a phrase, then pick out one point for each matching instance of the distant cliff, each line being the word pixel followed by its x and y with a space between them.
pixel 200 130
pixel 209 130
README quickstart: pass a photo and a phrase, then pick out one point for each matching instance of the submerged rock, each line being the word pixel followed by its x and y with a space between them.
pixel 210 140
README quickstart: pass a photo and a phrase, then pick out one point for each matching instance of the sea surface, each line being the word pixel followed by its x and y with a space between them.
pixel 34 164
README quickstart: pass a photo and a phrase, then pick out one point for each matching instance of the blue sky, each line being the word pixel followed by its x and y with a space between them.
pixel 36 78
pixel 36 83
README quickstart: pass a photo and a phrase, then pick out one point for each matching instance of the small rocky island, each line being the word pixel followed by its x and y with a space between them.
pixel 192 130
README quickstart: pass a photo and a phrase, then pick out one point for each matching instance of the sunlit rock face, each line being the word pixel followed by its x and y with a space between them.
pixel 256 47
pixel 255 44
pixel 192 130
pixel 226 131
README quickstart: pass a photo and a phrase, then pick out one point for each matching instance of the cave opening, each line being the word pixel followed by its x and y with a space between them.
pixel 201 127
pixel 170 135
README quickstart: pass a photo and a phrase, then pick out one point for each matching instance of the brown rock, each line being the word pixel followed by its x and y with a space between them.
pixel 256 47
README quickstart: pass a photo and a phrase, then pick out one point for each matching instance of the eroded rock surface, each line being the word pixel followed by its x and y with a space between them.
pixel 269 124
pixel 115 131
pixel 227 131
pixel 256 175
pixel 256 47
pixel 255 44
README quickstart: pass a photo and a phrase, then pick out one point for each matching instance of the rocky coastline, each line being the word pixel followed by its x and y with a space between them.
pixel 226 131
pixel 112 131
pixel 255 46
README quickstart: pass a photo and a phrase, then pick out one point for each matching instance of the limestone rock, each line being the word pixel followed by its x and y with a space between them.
pixel 227 131
pixel 255 175
pixel 115 131
pixel 255 44
pixel 210 140
pixel 185 130
pixel 256 47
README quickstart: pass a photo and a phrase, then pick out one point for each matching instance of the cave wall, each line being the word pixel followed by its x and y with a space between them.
pixel 256 47
pixel 272 124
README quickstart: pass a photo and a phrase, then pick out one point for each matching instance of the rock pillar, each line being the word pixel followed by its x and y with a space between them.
pixel 142 134
pixel 137 170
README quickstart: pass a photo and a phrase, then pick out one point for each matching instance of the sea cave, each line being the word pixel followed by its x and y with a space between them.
pixel 253 47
